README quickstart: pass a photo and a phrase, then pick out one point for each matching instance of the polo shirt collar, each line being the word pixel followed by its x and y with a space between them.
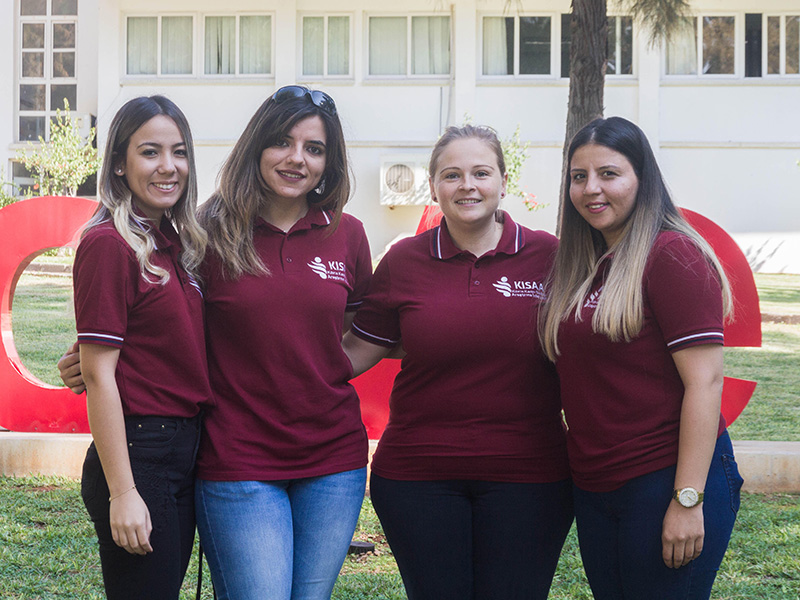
pixel 315 217
pixel 512 240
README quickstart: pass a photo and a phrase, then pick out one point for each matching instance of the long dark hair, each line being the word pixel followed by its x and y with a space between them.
pixel 115 195
pixel 230 213
pixel 620 310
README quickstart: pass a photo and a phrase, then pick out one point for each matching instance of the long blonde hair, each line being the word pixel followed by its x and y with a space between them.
pixel 582 249
pixel 230 213
pixel 115 198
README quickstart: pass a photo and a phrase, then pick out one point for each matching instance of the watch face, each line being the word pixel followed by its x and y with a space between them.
pixel 687 497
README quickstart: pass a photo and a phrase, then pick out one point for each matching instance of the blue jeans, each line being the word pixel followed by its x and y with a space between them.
pixel 162 452
pixel 278 540
pixel 474 540
pixel 620 534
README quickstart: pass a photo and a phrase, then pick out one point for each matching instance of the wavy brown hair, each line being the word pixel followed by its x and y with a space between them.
pixel 230 213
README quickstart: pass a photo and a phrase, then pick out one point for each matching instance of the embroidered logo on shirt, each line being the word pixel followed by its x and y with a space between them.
pixel 591 301
pixel 519 289
pixel 333 270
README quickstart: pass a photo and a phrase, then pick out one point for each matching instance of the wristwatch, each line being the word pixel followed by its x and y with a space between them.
pixel 687 497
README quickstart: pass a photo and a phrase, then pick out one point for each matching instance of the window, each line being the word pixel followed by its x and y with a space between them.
pixel 619 51
pixel 159 45
pixel 254 33
pixel 752 45
pixel 47 65
pixel 704 46
pixel 231 45
pixel 23 181
pixel 326 46
pixel 783 45
pixel 517 45
pixel 404 46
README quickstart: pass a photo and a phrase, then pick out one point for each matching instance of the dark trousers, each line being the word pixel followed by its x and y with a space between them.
pixel 162 453
pixel 474 540
pixel 620 534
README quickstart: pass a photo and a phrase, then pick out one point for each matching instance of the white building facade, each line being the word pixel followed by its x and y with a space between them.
pixel 721 104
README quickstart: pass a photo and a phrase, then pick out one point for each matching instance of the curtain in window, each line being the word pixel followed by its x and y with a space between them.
pixel 718 45
pixel 338 45
pixel 534 45
pixel 255 44
pixel 313 45
pixel 430 45
pixel 176 45
pixel 220 46
pixel 682 50
pixel 142 45
pixel 387 45
pixel 495 46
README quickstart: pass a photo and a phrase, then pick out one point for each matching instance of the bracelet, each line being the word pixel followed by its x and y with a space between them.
pixel 133 487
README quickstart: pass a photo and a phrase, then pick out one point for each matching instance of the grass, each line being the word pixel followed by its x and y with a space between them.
pixel 779 294
pixel 47 545
pixel 47 550
pixel 43 321
pixel 773 413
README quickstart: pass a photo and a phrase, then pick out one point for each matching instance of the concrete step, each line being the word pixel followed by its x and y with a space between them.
pixel 767 467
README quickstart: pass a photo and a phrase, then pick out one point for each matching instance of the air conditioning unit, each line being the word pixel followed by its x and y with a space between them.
pixel 404 180
pixel 82 122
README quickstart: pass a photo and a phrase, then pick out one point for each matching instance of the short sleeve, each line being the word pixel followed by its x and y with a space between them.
pixel 378 319
pixel 684 294
pixel 362 272
pixel 104 280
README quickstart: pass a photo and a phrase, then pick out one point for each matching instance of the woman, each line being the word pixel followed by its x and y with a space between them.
pixel 282 465
pixel 470 478
pixel 139 316
pixel 634 324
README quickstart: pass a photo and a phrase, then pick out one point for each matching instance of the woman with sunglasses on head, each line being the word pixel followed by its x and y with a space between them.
pixel 281 470
pixel 139 316
pixel 470 479
pixel 634 323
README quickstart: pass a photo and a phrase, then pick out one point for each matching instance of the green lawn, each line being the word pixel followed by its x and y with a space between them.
pixel 779 294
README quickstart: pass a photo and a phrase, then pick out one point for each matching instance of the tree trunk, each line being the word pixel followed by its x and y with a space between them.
pixel 587 72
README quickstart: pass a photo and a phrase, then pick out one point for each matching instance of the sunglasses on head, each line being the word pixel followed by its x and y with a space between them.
pixel 318 98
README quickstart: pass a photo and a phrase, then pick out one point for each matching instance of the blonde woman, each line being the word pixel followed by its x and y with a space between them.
pixel 634 324
pixel 470 479
pixel 139 316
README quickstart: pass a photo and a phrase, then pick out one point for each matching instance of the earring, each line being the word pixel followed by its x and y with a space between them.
pixel 502 194
pixel 119 171
pixel 315 196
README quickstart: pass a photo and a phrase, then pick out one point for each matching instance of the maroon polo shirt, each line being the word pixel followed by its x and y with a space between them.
pixel 475 397
pixel 622 400
pixel 285 407
pixel 162 367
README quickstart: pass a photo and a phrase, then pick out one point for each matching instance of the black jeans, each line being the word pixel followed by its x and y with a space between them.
pixel 162 452
pixel 474 540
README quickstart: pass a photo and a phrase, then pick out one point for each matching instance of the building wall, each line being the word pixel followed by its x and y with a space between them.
pixel 728 145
